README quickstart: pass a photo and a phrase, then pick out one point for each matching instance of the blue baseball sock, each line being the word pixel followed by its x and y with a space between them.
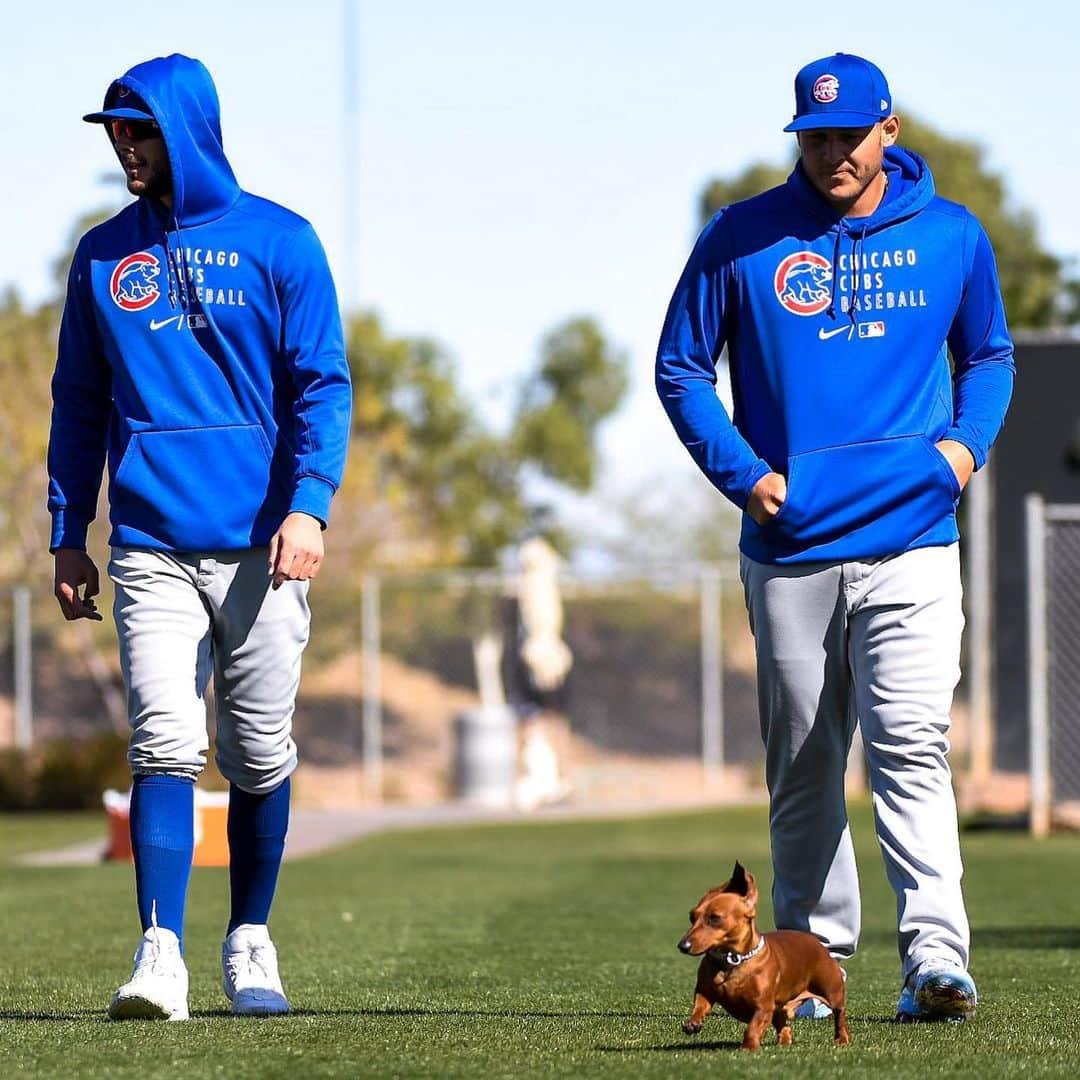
pixel 257 828
pixel 162 818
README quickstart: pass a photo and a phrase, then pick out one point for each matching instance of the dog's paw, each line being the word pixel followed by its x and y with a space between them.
pixel 691 1027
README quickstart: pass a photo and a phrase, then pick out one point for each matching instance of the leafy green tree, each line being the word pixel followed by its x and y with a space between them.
pixel 428 482
pixel 1037 287
pixel 579 383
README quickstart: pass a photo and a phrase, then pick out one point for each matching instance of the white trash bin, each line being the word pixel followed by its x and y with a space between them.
pixel 485 756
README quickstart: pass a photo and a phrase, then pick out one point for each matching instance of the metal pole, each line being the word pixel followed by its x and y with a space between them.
pixel 351 44
pixel 24 670
pixel 712 693
pixel 980 615
pixel 372 718
pixel 1038 706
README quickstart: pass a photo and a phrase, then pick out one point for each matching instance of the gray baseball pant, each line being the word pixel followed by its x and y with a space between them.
pixel 180 616
pixel 874 642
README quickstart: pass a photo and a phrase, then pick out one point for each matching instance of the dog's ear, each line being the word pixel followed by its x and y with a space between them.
pixel 750 897
pixel 742 884
pixel 737 882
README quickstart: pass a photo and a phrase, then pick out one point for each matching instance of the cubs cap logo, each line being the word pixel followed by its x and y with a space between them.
pixel 134 281
pixel 826 88
pixel 803 283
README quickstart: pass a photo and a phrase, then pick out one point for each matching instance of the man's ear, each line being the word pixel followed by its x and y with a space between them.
pixel 890 130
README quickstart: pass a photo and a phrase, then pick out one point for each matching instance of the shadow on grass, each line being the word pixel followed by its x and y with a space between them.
pixel 53 1017
pixel 387 1011
pixel 1000 937
pixel 507 1014
pixel 671 1048
pixel 1027 937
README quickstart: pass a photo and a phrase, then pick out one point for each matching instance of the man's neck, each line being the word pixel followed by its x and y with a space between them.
pixel 864 204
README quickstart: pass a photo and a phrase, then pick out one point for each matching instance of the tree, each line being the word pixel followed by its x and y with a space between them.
pixel 579 383
pixel 1037 289
pixel 428 483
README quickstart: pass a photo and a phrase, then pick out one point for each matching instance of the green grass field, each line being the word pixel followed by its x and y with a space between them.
pixel 537 949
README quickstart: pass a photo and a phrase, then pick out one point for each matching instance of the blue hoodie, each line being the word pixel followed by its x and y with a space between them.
pixel 201 348
pixel 838 333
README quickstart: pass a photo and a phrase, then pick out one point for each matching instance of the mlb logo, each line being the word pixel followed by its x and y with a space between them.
pixel 871 329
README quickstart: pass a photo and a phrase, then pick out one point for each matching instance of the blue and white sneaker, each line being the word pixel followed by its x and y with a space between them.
pixel 249 967
pixel 938 991
pixel 813 1008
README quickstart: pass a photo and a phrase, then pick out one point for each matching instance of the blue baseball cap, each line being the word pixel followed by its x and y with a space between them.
pixel 121 103
pixel 841 91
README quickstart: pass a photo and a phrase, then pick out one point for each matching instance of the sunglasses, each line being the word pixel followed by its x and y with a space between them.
pixel 134 130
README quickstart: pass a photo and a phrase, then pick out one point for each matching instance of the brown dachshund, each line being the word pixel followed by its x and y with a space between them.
pixel 758 978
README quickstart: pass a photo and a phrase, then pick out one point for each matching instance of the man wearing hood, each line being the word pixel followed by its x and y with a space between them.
pixel 839 297
pixel 201 356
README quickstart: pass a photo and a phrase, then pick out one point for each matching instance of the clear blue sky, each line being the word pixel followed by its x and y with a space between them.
pixel 522 163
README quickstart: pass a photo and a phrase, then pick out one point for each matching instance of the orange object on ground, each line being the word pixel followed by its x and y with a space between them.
pixel 211 838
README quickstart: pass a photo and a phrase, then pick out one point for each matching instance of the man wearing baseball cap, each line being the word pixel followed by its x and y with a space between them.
pixel 840 296
pixel 201 358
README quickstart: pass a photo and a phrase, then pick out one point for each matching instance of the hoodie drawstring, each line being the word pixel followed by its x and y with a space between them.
pixel 177 268
pixel 858 243
pixel 831 310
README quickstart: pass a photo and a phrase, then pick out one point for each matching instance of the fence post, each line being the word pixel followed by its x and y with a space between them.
pixel 372 712
pixel 1038 705
pixel 980 585
pixel 24 669
pixel 712 675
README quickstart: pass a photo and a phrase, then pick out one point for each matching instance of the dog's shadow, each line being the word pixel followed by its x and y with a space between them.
pixel 672 1048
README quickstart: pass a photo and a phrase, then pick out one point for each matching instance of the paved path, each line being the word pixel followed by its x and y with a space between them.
pixel 315 830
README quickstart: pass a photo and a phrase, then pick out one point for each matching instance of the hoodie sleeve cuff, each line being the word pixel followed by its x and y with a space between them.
pixel 955 434
pixel 67 533
pixel 313 495
pixel 740 494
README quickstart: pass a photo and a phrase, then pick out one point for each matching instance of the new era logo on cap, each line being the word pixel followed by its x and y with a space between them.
pixel 840 91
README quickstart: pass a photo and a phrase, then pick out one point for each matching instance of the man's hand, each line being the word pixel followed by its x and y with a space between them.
pixel 766 498
pixel 959 457
pixel 296 549
pixel 74 569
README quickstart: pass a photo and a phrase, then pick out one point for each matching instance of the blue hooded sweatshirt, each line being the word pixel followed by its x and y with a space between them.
pixel 201 349
pixel 838 332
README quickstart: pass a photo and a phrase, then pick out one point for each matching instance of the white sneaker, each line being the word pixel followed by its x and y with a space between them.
pixel 158 987
pixel 250 969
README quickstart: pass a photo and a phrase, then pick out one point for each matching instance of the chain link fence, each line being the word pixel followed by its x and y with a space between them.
pixel 660 699
pixel 1053 571
pixel 659 705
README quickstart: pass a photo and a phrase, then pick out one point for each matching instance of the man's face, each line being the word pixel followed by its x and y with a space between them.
pixel 842 162
pixel 141 149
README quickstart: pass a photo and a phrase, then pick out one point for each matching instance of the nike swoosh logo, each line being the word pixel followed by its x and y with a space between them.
pixel 826 334
pixel 156 325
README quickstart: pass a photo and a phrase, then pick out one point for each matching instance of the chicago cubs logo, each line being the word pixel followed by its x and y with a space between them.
pixel 134 281
pixel 802 283
pixel 826 88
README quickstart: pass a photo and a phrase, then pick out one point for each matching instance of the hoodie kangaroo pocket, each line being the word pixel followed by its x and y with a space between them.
pixel 895 488
pixel 193 489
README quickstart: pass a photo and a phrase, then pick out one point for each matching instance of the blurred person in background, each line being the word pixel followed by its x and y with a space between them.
pixel 839 296
pixel 201 354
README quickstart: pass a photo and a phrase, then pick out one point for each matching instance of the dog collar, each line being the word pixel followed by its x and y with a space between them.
pixel 734 959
